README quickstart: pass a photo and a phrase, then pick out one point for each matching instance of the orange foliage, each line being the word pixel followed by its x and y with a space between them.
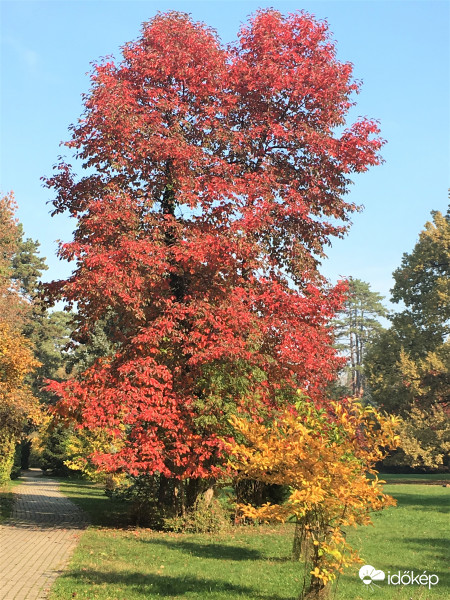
pixel 17 404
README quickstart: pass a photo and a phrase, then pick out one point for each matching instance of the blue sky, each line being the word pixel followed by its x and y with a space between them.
pixel 400 49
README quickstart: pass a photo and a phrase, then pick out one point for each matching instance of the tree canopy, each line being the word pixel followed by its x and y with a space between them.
pixel 18 406
pixel 410 361
pixel 215 177
pixel 408 365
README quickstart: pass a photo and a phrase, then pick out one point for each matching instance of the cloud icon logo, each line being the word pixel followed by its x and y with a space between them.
pixel 369 575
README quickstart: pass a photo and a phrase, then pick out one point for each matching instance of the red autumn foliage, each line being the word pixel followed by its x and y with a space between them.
pixel 215 178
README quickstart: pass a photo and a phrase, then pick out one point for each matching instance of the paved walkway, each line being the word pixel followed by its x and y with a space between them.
pixel 38 539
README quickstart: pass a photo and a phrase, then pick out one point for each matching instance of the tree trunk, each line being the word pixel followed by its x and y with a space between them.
pixel 193 491
pixel 353 361
pixel 298 536
pixel 302 546
pixel 316 589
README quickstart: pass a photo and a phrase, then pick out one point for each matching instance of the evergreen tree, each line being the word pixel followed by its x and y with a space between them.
pixel 355 327
pixel 27 266
pixel 48 332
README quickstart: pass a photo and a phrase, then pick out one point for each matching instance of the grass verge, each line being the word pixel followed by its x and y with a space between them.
pixel 252 563
pixel 7 499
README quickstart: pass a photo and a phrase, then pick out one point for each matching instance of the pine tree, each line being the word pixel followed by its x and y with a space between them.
pixel 355 327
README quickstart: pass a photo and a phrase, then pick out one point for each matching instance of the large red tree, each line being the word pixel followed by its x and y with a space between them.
pixel 214 178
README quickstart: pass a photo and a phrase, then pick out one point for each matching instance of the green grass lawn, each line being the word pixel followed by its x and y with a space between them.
pixel 413 536
pixel 251 563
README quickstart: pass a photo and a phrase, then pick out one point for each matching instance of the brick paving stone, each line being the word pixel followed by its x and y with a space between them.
pixel 39 538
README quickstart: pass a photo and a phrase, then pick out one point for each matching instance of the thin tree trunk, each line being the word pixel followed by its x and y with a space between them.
pixel 298 539
pixel 316 589
pixel 353 357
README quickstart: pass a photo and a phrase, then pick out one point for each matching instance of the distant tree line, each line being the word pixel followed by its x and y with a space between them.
pixel 404 369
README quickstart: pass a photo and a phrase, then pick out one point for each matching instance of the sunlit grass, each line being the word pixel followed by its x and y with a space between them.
pixel 413 536
pixel 252 563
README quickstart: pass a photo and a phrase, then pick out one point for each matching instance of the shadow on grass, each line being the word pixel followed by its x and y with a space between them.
pixel 421 477
pixel 214 551
pixel 161 586
pixel 437 547
pixel 440 503
pixel 91 498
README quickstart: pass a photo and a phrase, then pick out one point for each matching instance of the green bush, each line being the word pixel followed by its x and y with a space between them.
pixel 55 453
pixel 205 517
pixel 141 494
pixel 250 491
pixel 7 452
pixel 16 468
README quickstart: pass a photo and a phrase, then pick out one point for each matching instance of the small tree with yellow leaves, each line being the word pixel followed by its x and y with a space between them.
pixel 327 458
